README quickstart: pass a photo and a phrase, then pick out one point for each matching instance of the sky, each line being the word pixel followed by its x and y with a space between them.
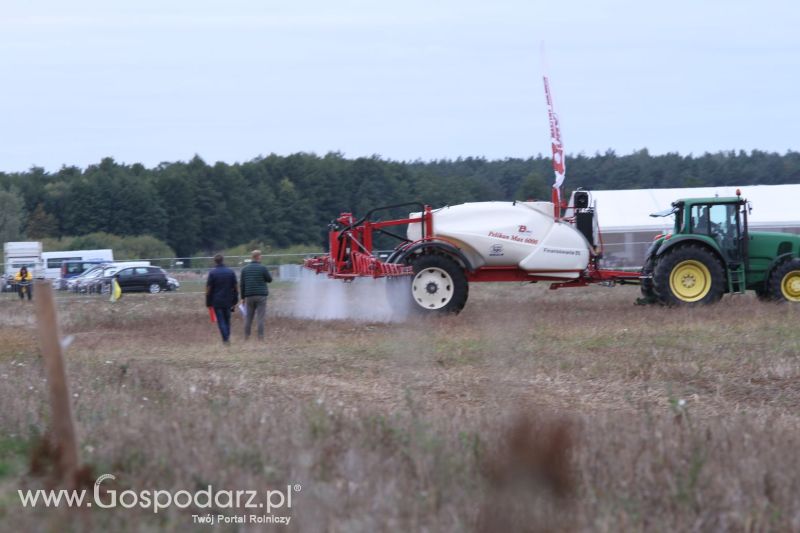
pixel 157 81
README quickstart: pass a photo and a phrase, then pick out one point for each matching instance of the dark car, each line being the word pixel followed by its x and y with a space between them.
pixel 140 279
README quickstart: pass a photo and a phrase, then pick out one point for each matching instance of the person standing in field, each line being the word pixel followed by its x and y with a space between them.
pixel 23 281
pixel 253 287
pixel 222 295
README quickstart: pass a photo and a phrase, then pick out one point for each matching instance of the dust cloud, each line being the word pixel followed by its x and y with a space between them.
pixel 318 297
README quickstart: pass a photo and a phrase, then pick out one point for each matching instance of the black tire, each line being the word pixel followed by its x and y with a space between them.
pixel 762 294
pixel 154 288
pixel 689 275
pixel 647 286
pixel 783 284
pixel 439 285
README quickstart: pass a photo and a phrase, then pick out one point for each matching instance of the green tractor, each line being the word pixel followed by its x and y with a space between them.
pixel 710 252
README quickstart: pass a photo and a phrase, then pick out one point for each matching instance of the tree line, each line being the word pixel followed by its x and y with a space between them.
pixel 197 208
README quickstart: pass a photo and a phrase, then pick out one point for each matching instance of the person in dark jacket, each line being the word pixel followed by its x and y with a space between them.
pixel 222 294
pixel 253 285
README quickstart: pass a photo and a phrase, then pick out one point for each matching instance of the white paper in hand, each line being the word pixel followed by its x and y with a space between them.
pixel 243 309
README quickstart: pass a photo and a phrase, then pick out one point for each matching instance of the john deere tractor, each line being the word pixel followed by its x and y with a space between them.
pixel 711 252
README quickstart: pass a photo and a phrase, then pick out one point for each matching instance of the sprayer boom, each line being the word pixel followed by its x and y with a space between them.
pixel 351 245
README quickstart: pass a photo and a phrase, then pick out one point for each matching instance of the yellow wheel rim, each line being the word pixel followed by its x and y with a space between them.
pixel 690 281
pixel 790 286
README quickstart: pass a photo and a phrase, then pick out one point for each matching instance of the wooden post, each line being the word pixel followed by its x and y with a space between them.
pixel 62 427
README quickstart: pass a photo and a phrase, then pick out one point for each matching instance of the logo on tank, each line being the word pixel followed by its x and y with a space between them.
pixel 514 238
pixel 496 250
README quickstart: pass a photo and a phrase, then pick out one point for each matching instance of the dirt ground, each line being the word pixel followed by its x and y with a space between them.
pixel 532 410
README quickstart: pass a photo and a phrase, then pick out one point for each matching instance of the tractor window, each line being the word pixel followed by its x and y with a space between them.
pixel 719 220
pixel 723 227
pixel 700 219
pixel 724 221
pixel 678 221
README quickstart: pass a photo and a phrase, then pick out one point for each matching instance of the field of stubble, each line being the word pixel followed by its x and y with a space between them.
pixel 533 410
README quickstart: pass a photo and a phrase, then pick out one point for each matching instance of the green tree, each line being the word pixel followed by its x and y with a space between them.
pixel 11 216
pixel 129 247
pixel 534 187
pixel 291 225
pixel 178 195
pixel 41 224
pixel 211 208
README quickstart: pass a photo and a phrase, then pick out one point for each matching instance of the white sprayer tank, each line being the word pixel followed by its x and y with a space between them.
pixel 522 234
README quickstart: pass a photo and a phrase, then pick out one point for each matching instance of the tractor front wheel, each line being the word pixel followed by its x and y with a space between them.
pixel 784 282
pixel 439 285
pixel 689 275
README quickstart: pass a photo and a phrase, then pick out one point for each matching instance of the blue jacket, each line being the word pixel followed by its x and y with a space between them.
pixel 221 289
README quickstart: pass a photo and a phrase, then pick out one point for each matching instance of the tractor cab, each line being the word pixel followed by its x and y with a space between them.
pixel 723 220
pixel 722 223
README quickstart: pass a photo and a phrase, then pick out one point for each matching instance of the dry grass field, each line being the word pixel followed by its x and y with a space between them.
pixel 533 410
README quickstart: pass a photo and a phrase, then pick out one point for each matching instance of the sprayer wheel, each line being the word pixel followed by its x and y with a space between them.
pixel 439 285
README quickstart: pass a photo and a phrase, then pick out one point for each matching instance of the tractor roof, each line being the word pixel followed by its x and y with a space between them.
pixel 711 200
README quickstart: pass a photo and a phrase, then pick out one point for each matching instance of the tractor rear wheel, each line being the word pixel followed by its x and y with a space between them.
pixel 439 284
pixel 784 282
pixel 689 275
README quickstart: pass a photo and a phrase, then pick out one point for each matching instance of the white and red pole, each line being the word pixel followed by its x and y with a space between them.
pixel 559 165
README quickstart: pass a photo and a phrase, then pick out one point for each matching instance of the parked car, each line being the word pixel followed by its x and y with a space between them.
pixel 70 268
pixel 73 283
pixel 140 279
pixel 173 284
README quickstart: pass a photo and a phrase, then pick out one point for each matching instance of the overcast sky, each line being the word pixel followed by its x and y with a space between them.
pixel 157 80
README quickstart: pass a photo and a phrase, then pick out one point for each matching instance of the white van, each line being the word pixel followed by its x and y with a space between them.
pixel 77 260
pixel 19 254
